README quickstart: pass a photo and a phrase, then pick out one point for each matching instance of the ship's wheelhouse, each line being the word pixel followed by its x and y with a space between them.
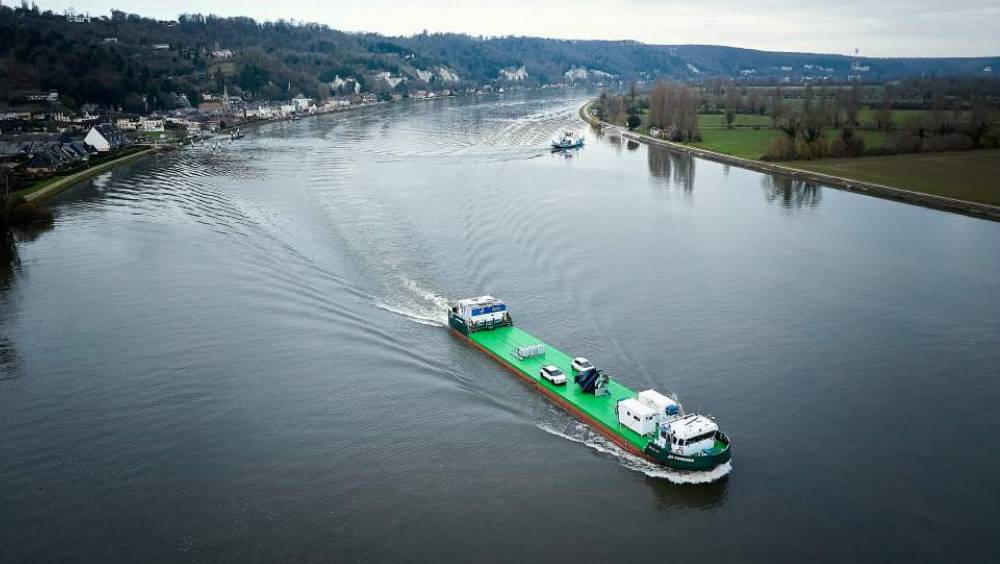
pixel 689 435
pixel 484 312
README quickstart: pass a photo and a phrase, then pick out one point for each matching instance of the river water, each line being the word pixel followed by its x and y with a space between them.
pixel 237 356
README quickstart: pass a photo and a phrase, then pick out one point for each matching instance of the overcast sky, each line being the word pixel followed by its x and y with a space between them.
pixel 877 27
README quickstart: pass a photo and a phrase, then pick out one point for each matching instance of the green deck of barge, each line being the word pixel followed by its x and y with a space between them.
pixel 502 341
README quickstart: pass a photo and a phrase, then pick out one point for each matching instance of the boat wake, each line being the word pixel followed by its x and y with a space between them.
pixel 420 305
pixel 584 435
pixel 422 318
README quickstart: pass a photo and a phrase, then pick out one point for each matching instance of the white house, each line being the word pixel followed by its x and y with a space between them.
pixel 51 97
pixel 153 125
pixel 302 103
pixel 262 111
pixel 514 75
pixel 104 137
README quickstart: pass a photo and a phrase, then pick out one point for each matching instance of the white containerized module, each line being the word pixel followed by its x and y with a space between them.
pixel 663 406
pixel 636 416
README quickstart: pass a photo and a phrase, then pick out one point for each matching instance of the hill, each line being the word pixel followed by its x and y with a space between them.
pixel 140 64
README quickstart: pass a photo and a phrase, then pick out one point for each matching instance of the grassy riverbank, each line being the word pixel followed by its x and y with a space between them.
pixel 960 181
pixel 749 143
pixel 48 187
pixel 964 175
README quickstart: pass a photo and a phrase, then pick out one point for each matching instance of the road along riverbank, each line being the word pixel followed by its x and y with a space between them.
pixel 965 207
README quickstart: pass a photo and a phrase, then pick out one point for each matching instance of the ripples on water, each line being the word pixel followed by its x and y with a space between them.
pixel 236 352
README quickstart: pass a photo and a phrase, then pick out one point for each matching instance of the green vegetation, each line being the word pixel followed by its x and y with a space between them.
pixel 96 165
pixel 743 143
pixel 706 121
pixel 748 143
pixel 850 131
pixel 22 213
pixel 965 175
pixel 121 60
pixel 24 192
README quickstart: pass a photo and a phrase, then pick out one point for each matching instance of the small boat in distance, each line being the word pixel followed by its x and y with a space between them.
pixel 568 140
pixel 238 134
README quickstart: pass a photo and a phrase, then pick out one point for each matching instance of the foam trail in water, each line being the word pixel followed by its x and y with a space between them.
pixel 419 304
pixel 435 321
pixel 585 435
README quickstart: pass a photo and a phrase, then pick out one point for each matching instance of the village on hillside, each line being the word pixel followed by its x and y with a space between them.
pixel 41 138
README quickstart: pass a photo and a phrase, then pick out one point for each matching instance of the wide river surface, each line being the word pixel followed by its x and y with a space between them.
pixel 238 355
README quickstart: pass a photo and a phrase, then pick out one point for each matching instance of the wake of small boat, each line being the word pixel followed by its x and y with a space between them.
pixel 586 436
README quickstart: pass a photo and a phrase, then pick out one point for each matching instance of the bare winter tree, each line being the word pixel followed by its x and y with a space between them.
pixel 673 108
pixel 777 107
pixel 732 104
pixel 884 119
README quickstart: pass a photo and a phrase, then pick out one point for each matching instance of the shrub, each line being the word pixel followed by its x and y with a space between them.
pixel 633 121
pixel 906 142
pixel 808 150
pixel 837 148
pixel 853 144
pixel 880 151
pixel 23 213
pixel 990 139
pixel 781 149
pixel 948 142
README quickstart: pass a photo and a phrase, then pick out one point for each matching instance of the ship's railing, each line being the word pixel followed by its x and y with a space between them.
pixel 489 325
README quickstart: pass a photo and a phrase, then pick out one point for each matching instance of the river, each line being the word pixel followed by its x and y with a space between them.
pixel 237 356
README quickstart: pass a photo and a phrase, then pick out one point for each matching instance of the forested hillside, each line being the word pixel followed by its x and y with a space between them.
pixel 133 62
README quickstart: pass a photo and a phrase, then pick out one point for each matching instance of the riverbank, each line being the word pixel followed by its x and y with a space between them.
pixel 975 209
pixel 50 187
pixel 249 124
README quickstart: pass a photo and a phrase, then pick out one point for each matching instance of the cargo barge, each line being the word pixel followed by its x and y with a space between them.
pixel 647 424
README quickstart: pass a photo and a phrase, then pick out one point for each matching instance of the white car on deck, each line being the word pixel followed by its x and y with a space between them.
pixel 552 374
pixel 581 364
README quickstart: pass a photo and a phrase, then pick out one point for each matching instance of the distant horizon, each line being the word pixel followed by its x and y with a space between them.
pixel 777 25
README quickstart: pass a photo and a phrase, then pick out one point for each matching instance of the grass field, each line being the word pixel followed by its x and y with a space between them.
pixel 965 175
pixel 753 144
pixel 706 121
pixel 745 143
pixel 866 118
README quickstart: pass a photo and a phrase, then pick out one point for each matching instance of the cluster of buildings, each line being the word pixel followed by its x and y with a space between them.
pixel 40 137
pixel 32 156
pixel 219 112
pixel 48 156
